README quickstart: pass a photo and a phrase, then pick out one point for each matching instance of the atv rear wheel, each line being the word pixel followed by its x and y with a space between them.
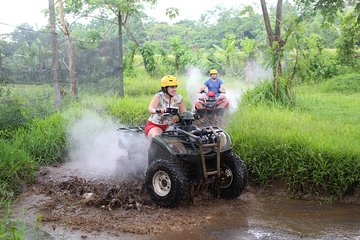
pixel 166 183
pixel 233 176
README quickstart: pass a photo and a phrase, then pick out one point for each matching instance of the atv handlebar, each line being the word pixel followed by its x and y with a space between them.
pixel 172 111
pixel 219 91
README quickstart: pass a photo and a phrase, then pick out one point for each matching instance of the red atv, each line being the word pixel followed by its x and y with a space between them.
pixel 211 104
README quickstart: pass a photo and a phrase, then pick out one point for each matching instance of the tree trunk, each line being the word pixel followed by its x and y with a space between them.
pixel 276 49
pixel 1 67
pixel 55 58
pixel 278 18
pixel 71 51
pixel 267 22
pixel 72 67
pixel 121 65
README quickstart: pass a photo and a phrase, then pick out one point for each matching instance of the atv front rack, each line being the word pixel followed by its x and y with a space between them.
pixel 202 147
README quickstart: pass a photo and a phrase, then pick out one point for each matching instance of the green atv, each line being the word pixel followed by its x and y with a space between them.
pixel 184 155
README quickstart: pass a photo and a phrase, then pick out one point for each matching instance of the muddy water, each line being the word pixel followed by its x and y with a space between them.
pixel 269 218
pixel 55 208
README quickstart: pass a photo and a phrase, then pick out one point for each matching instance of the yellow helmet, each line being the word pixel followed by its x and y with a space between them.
pixel 213 71
pixel 168 81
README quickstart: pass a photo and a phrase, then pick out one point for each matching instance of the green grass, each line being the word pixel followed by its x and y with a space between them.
pixel 329 106
pixel 128 110
pixel 314 147
pixel 16 168
pixel 44 139
pixel 346 84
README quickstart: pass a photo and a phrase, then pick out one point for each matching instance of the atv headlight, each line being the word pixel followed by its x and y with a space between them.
pixel 223 139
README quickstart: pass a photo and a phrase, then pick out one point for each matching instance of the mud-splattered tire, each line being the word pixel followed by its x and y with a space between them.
pixel 233 177
pixel 166 183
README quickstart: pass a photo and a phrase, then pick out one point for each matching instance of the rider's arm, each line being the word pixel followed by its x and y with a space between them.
pixel 202 88
pixel 222 88
pixel 182 107
pixel 153 104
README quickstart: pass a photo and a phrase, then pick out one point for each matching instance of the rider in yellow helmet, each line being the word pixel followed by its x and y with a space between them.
pixel 213 84
pixel 165 98
pixel 213 71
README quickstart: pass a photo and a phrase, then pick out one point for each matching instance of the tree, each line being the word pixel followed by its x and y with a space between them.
pixel 55 58
pixel 329 8
pixel 345 44
pixel 275 41
pixel 71 50
pixel 122 10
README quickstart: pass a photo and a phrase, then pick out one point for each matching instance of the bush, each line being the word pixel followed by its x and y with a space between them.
pixel 263 93
pixel 17 168
pixel 348 83
pixel 315 62
pixel 44 139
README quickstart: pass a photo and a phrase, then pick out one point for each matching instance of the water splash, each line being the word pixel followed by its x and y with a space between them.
pixel 194 79
pixel 98 150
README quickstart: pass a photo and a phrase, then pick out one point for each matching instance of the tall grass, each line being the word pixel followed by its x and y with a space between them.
pixel 129 110
pixel 313 147
pixel 346 84
pixel 16 169
pixel 44 139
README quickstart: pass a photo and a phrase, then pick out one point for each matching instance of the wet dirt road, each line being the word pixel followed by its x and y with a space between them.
pixel 58 206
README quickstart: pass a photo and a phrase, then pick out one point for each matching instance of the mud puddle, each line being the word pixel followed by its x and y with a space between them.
pixel 65 203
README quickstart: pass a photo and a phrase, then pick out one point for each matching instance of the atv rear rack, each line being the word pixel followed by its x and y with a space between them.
pixel 131 129
pixel 202 146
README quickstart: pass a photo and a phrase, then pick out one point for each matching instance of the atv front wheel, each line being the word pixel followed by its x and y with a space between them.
pixel 166 183
pixel 233 176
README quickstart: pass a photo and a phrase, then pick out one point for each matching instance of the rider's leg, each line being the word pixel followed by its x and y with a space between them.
pixel 154 132
pixel 222 96
pixel 202 96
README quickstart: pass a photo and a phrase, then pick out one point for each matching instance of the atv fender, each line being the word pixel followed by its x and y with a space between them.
pixel 158 145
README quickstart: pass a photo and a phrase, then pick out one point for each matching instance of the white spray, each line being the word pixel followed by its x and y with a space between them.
pixel 194 79
pixel 98 150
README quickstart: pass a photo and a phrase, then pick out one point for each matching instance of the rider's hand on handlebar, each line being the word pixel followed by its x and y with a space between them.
pixel 202 91
pixel 172 111
pixel 159 111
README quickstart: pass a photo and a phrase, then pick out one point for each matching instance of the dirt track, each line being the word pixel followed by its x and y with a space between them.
pixel 69 205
